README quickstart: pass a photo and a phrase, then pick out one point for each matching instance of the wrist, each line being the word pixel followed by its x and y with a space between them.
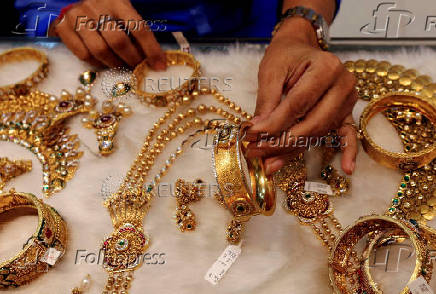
pixel 297 29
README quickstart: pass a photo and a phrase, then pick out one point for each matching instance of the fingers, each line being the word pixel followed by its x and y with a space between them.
pixel 330 111
pixel 73 42
pixel 271 79
pixel 348 134
pixel 117 40
pixel 148 43
pixel 312 80
pixel 92 39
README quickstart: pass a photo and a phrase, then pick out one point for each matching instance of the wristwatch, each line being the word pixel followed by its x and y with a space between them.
pixel 317 21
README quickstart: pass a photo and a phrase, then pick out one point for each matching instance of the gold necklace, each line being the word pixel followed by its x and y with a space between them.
pixel 129 205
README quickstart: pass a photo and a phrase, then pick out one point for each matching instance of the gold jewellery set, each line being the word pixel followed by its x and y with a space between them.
pixel 407 100
pixel 36 121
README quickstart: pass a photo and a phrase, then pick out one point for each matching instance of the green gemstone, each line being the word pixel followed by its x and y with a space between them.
pixel 87 78
pixel 149 188
pixel 403 185
pixel 392 209
pixel 406 178
pixel 400 194
pixel 395 201
pixel 307 195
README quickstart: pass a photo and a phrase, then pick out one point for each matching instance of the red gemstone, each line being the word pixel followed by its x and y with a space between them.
pixel 48 233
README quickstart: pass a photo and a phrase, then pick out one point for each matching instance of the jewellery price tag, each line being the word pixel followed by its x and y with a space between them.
pixel 420 286
pixel 317 187
pixel 51 256
pixel 217 271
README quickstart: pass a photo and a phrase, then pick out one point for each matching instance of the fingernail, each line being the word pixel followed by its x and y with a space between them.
pixel 160 65
pixel 274 166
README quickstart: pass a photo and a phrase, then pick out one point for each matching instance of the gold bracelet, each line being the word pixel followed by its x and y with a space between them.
pixel 10 92
pixel 164 98
pixel 344 267
pixel 403 161
pixel 43 248
pixel 241 199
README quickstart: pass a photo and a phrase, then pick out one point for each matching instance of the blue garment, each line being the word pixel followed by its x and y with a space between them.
pixel 211 18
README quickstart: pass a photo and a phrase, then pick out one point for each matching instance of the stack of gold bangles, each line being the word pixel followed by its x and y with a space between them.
pixel 242 199
pixel 42 249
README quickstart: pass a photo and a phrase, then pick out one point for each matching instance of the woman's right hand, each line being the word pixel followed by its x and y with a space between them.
pixel 108 46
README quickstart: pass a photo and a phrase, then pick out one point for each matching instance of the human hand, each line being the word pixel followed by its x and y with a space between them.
pixel 320 95
pixel 107 46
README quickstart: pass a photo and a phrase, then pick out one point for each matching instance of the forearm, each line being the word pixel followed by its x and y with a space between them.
pixel 324 7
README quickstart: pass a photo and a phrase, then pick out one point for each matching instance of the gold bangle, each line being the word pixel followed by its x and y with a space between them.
pixel 403 161
pixel 262 187
pixel 10 92
pixel 397 236
pixel 161 99
pixel 42 249
pixel 343 266
pixel 232 182
pixel 241 199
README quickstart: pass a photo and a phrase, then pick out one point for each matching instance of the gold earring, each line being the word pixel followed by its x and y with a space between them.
pixel 187 193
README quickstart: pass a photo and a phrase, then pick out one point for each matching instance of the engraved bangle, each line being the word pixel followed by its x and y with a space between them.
pixel 341 262
pixel 161 99
pixel 49 238
pixel 403 161
pixel 10 92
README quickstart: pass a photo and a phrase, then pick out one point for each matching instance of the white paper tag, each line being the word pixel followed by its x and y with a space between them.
pixel 51 256
pixel 420 286
pixel 217 271
pixel 317 187
pixel 182 41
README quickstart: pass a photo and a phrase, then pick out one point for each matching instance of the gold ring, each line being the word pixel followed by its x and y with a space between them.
pixel 41 250
pixel 10 92
pixel 403 161
pixel 161 99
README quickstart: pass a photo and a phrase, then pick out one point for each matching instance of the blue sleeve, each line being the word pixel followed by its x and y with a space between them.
pixel 36 16
pixel 338 5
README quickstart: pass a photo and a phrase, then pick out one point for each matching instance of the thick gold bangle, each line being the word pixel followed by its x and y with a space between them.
pixel 403 161
pixel 42 249
pixel 161 99
pixel 232 182
pixel 23 87
pixel 343 265
pixel 241 198
pixel 428 238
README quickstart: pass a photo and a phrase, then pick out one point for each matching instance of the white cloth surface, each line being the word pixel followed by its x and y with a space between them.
pixel 279 255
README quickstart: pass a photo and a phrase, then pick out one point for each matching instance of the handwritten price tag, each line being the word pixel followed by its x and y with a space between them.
pixel 217 271
pixel 316 187
pixel 51 256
